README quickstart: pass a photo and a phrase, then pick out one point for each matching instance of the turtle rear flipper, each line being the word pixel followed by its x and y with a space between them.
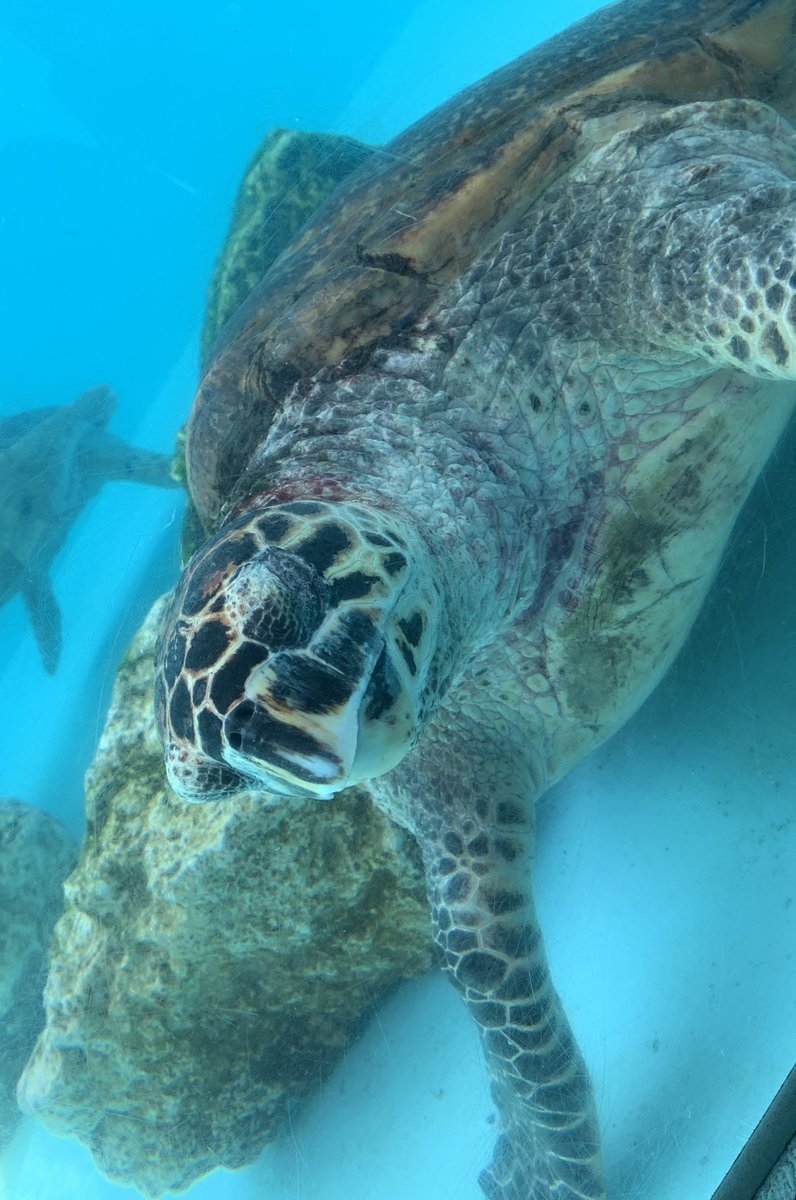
pixel 45 618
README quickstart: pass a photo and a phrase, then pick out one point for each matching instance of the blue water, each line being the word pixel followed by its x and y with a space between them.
pixel 663 875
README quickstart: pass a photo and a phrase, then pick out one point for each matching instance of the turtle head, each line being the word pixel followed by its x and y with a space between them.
pixel 294 655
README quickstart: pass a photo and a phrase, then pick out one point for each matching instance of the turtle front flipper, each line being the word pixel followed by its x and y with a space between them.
pixel 114 460
pixel 45 618
pixel 476 839
pixel 686 262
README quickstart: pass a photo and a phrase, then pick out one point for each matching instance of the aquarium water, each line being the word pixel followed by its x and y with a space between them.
pixel 664 873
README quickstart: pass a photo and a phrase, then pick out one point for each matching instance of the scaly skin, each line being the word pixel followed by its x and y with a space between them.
pixel 559 452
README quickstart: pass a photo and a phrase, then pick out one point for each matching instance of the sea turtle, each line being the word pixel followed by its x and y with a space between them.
pixel 52 462
pixel 468 457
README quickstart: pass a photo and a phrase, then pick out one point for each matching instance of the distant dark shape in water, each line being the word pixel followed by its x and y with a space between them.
pixel 52 462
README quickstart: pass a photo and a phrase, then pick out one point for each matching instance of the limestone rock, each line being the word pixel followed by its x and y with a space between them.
pixel 36 854
pixel 781 1183
pixel 213 961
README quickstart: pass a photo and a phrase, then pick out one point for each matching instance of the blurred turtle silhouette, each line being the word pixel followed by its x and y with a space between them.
pixel 52 462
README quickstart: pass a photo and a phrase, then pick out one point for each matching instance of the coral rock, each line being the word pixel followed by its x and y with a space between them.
pixel 36 853
pixel 213 961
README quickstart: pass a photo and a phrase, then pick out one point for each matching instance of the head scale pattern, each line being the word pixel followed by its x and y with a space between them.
pixel 294 654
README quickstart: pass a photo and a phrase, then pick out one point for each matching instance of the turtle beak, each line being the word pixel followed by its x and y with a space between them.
pixel 296 729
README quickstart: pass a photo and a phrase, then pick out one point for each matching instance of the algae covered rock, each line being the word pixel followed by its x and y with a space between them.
pixel 36 854
pixel 212 962
pixel 289 176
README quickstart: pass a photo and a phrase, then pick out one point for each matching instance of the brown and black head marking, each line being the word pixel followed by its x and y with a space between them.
pixel 293 654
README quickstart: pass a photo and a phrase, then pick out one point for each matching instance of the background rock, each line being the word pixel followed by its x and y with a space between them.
pixel 36 853
pixel 213 961
pixel 289 176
